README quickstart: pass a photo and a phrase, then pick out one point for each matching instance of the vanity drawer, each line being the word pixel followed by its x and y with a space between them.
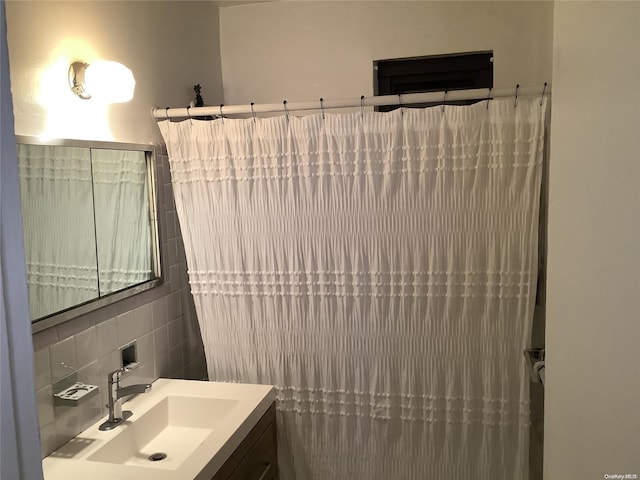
pixel 256 458
pixel 261 462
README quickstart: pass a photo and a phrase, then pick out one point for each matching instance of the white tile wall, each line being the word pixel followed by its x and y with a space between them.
pixel 89 349
pixel 48 439
pixel 161 339
pixel 145 348
pixel 107 336
pixel 143 320
pixel 126 327
pixel 45 405
pixel 172 252
pixel 175 332
pixel 174 277
pixel 63 358
pixel 174 305
pixel 42 368
pixel 87 346
pixel 163 368
pixel 90 374
pixel 159 316
pixel 175 356
pixel 170 225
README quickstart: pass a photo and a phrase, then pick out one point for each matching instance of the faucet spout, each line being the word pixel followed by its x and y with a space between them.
pixel 133 389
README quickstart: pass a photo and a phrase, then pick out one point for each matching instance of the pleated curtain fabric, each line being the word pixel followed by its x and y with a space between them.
pixel 57 210
pixel 97 195
pixel 123 228
pixel 380 270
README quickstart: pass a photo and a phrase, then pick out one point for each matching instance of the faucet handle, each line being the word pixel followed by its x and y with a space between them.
pixel 114 377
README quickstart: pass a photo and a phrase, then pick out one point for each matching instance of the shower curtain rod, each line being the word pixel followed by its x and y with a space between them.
pixel 382 100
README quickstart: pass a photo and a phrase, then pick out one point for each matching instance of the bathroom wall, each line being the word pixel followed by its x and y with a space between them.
pixel 302 51
pixel 169 46
pixel 593 373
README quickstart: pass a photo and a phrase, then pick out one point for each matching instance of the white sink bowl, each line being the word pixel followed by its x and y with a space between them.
pixel 175 426
pixel 197 425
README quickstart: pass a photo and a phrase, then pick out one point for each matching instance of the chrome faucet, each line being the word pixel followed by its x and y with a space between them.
pixel 116 393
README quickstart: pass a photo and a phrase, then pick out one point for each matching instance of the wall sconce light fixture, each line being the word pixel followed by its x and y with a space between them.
pixel 77 81
pixel 108 82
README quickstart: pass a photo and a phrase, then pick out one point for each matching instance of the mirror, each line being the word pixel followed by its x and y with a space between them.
pixel 89 222
pixel 122 220
pixel 57 218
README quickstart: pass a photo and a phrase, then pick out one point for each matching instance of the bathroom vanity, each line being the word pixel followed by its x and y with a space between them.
pixel 256 457
pixel 180 430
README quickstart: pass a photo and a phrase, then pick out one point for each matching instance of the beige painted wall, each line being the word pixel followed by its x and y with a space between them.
pixel 592 424
pixel 168 45
pixel 306 50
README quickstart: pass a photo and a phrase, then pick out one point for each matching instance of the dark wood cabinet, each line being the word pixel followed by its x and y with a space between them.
pixel 256 458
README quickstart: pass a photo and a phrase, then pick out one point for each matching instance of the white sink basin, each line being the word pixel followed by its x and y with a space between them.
pixel 197 425
pixel 174 427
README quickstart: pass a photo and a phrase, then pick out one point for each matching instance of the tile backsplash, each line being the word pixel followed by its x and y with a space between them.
pixel 161 321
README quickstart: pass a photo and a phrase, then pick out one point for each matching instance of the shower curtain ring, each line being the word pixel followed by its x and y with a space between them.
pixel 189 115
pixel 444 99
pixel 166 112
pixel 221 116
pixel 515 100
pixel 543 90
pixel 253 113
pixel 362 106
pixel 489 98
pixel 322 106
pixel 286 112
pixel 401 104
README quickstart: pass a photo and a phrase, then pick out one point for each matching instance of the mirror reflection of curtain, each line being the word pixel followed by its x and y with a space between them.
pixel 123 228
pixel 57 206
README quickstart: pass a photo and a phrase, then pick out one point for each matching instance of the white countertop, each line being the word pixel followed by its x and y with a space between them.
pixel 71 461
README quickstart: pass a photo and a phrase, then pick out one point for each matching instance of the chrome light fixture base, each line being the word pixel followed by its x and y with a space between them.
pixel 77 81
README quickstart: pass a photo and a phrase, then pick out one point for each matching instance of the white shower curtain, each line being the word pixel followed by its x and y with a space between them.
pixel 380 271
